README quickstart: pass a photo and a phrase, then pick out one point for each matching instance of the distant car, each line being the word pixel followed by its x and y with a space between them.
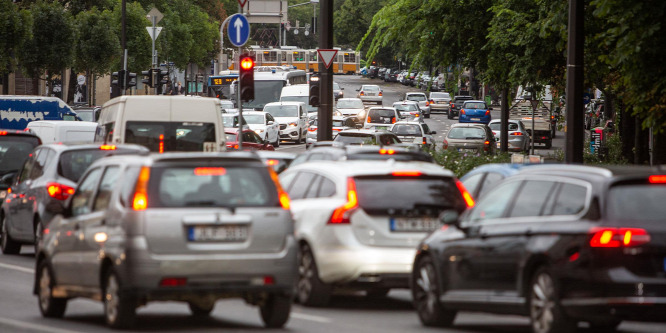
pixel 474 138
pixel 369 93
pixel 351 107
pixel 381 118
pixel 456 104
pixel 420 98
pixel 413 131
pixel 264 125
pixel 339 124
pixel 475 112
pixel 439 102
pixel 63 131
pixel 226 104
pixel 337 91
pixel 251 140
pixel 409 110
pixel 292 118
pixel 367 137
pixel 189 227
pixel 87 113
pixel 48 178
pixel 277 160
pixel 519 139
pixel 338 151
pixel 486 176
pixel 15 148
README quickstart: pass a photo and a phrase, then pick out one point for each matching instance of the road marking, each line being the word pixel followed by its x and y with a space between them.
pixel 41 328
pixel 18 268
pixel 310 317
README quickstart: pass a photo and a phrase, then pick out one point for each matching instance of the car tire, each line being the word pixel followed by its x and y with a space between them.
pixel 277 141
pixel 39 232
pixel 449 115
pixel 275 310
pixel 201 310
pixel 427 115
pixel 425 295
pixel 310 290
pixel 49 306
pixel 545 310
pixel 8 245
pixel 119 309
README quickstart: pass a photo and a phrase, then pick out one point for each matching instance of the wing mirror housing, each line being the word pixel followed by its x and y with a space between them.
pixel 270 122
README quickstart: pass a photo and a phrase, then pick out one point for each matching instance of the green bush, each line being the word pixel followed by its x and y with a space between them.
pixel 461 163
pixel 613 153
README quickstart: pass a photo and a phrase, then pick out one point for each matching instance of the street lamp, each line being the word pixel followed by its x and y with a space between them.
pixel 535 104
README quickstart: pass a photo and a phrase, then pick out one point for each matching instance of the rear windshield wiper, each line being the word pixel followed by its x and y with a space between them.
pixel 202 203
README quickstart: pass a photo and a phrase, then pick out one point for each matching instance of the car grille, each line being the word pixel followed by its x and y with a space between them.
pixel 283 126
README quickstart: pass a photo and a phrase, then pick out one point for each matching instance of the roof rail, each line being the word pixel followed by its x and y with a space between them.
pixel 568 168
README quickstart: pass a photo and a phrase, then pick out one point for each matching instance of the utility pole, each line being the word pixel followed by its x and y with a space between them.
pixel 325 112
pixel 575 137
pixel 504 121
pixel 124 47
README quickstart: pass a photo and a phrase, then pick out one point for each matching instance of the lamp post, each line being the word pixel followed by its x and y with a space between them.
pixel 535 104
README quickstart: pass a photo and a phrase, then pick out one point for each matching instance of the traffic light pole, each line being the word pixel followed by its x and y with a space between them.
pixel 325 112
pixel 239 103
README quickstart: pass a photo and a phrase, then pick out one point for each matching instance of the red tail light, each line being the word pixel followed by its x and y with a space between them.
pixel 312 129
pixel 392 120
pixel 446 144
pixel 462 111
pixel 361 94
pixel 425 142
pixel 406 173
pixel 618 237
pixel 161 145
pixel 657 179
pixel 342 214
pixel 487 112
pixel 432 102
pixel 380 93
pixel 427 103
pixel 486 145
pixel 516 133
pixel 469 201
pixel 107 147
pixel 453 105
pixel 140 201
pixel 173 282
pixel 3 132
pixel 386 151
pixel 282 195
pixel 59 191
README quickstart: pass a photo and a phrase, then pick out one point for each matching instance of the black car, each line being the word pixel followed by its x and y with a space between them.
pixel 47 179
pixel 561 244
pixel 456 104
pixel 15 148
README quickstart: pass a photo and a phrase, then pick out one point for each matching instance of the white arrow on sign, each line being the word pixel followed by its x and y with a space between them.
pixel 157 32
pixel 327 56
pixel 238 24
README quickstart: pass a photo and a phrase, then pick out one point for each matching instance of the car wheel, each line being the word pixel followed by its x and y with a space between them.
pixel 39 232
pixel 119 309
pixel 277 141
pixel 546 313
pixel 202 309
pixel 310 290
pixel 48 305
pixel 425 293
pixel 449 116
pixel 8 245
pixel 275 310
pixel 427 115
pixel 377 292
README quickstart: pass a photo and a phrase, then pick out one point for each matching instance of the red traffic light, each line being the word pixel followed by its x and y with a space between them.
pixel 247 63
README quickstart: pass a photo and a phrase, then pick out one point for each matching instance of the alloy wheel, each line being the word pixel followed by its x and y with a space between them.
pixel 111 299
pixel 45 288
pixel 305 274
pixel 542 303
pixel 425 292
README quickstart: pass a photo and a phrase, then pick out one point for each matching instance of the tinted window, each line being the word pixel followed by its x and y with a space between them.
pixel 494 204
pixel 211 186
pixel 416 98
pixel 381 116
pixel 406 107
pixel 492 178
pixel 300 185
pixel 40 163
pixel 473 105
pixel 407 130
pixel 570 200
pixel 171 136
pixel 326 188
pixel 408 195
pixel 532 198
pixel 356 139
pixel 637 202
pixel 74 163
pixel 472 182
pixel 467 133
pixel 109 179
pixel 84 193
pixel 496 126
pixel 14 150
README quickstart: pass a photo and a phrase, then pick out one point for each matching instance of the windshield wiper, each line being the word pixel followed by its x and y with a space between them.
pixel 202 203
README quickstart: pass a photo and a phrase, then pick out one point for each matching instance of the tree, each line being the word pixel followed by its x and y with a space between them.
pixel 137 41
pixel 12 34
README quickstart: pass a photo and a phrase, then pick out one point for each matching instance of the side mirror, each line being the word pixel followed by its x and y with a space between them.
pixel 449 217
pixel 270 122
pixel 433 132
pixel 342 88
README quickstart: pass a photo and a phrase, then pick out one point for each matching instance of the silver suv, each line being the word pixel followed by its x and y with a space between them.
pixel 193 227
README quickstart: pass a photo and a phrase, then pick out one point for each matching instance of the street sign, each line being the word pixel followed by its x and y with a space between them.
pixel 295 31
pixel 238 30
pixel 242 3
pixel 156 13
pixel 327 56
pixel 157 32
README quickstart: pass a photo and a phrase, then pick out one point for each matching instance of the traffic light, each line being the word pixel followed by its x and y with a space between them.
pixel 118 79
pixel 314 90
pixel 246 77
pixel 130 80
pixel 147 78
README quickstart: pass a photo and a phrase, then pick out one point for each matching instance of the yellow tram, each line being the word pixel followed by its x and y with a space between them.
pixel 345 62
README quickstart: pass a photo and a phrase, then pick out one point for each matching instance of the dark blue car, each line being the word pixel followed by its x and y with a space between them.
pixel 475 112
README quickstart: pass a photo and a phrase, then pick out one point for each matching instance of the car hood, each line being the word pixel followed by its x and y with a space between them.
pixel 286 120
pixel 350 111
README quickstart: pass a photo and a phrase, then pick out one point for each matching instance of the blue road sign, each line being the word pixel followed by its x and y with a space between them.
pixel 238 30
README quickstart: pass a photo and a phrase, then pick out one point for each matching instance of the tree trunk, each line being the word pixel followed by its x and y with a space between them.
pixel 71 86
pixel 642 154
pixel 627 132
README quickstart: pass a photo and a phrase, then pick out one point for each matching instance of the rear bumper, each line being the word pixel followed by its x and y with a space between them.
pixel 371 98
pixel 439 107
pixel 469 119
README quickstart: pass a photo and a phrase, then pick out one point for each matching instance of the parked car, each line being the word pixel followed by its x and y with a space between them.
pixel 351 236
pixel 413 131
pixel 367 137
pixel 381 118
pixel 560 244
pixel 15 148
pixel 420 98
pixel 264 125
pixel 475 112
pixel 456 105
pixel 519 139
pixel 251 140
pixel 48 178
pixel 188 227
pixel 475 138
pixel 439 102
pixel 369 93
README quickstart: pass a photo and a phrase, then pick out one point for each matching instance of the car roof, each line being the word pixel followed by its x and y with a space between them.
pixel 59 147
pixel 153 158
pixel 364 131
pixel 284 103
pixel 406 102
pixel 414 93
pixel 409 123
pixel 468 125
pixel 352 168
pixel 505 169
pixel 13 132
pixel 474 101
pixel 603 171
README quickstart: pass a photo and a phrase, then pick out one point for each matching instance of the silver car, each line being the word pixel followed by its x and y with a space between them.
pixel 470 137
pixel 439 101
pixel 519 139
pixel 420 98
pixel 370 93
pixel 193 227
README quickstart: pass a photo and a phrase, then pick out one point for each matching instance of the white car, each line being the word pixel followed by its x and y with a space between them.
pixel 409 110
pixel 350 106
pixel 420 98
pixel 339 124
pixel 381 118
pixel 370 93
pixel 359 222
pixel 292 118
pixel 439 101
pixel 414 132
pixel 264 125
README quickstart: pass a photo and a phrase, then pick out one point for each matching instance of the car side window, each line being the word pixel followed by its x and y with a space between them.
pixel 326 188
pixel 300 185
pixel 570 200
pixel 532 198
pixel 492 179
pixel 129 178
pixel 84 193
pixel 472 182
pixel 40 164
pixel 27 168
pixel 494 204
pixel 103 197
pixel 286 179
pixel 314 187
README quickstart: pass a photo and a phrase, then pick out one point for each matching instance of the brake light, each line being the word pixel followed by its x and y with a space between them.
pixel 487 112
pixel 406 173
pixel 312 129
pixel 59 191
pixel 386 151
pixel 466 196
pixel 140 201
pixel 657 179
pixel 3 132
pixel 361 93
pixel 283 197
pixel 446 144
pixel 342 214
pixel 516 133
pixel 380 93
pixel 453 105
pixel 618 237
pixel 161 143
pixel 369 119
pixel 486 145
pixel 107 147
pixel 392 120
pixel 427 103
pixel 210 171
pixel 173 282
pixel 462 111
pixel 272 162
pixel 432 102
pixel 425 142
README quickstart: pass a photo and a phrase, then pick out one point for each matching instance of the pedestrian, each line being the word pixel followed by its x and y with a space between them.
pixel 180 90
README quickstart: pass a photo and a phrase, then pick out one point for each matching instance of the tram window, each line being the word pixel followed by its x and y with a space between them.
pixel 350 57
pixel 299 56
pixel 270 56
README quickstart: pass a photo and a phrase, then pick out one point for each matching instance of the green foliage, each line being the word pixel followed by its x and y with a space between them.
pixel 98 45
pixel 613 153
pixel 138 41
pixel 12 33
pixel 462 163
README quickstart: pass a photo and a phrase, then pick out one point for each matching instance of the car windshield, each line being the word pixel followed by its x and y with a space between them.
pixel 496 126
pixel 416 98
pixel 171 136
pixel 257 119
pixel 637 202
pixel 469 105
pixel 381 116
pixel 356 139
pixel 467 133
pixel 406 107
pixel 211 186
pixel 267 92
pixel 86 115
pixel 303 99
pixel 440 95
pixel 407 130
pixel 350 104
pixel 370 88
pixel 14 150
pixel 282 110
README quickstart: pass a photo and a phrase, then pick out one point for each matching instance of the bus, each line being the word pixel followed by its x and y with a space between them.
pixel 268 84
pixel 346 62
pixel 219 86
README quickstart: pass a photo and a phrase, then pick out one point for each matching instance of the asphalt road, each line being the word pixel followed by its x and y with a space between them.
pixel 437 122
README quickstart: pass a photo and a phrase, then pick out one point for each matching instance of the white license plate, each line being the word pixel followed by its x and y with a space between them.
pixel 441 102
pixel 476 119
pixel 370 94
pixel 218 233
pixel 466 149
pixel 414 224
pixel 499 145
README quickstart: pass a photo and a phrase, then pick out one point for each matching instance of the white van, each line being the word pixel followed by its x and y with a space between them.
pixel 163 123
pixel 298 93
pixel 65 131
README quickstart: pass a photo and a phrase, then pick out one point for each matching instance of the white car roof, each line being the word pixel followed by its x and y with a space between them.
pixel 344 169
pixel 285 103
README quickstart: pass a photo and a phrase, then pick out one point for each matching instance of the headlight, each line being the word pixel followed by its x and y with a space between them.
pixel 259 131
pixel 293 124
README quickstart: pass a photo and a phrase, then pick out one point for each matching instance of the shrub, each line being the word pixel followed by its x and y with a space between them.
pixel 461 163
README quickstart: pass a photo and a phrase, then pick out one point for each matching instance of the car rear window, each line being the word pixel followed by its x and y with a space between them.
pixel 637 202
pixel 496 126
pixel 416 98
pixel 414 196
pixel 356 139
pixel 14 150
pixel 407 130
pixel 211 186
pixel 73 163
pixel 171 136
pixel 406 107
pixel 381 116
pixel 439 95
pixel 350 104
pixel 370 88
pixel 468 133
pixel 469 105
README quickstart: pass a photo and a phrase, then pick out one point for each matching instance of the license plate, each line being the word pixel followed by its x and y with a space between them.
pixel 371 94
pixel 476 119
pixel 499 145
pixel 441 102
pixel 218 233
pixel 414 224
pixel 381 127
pixel 466 149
